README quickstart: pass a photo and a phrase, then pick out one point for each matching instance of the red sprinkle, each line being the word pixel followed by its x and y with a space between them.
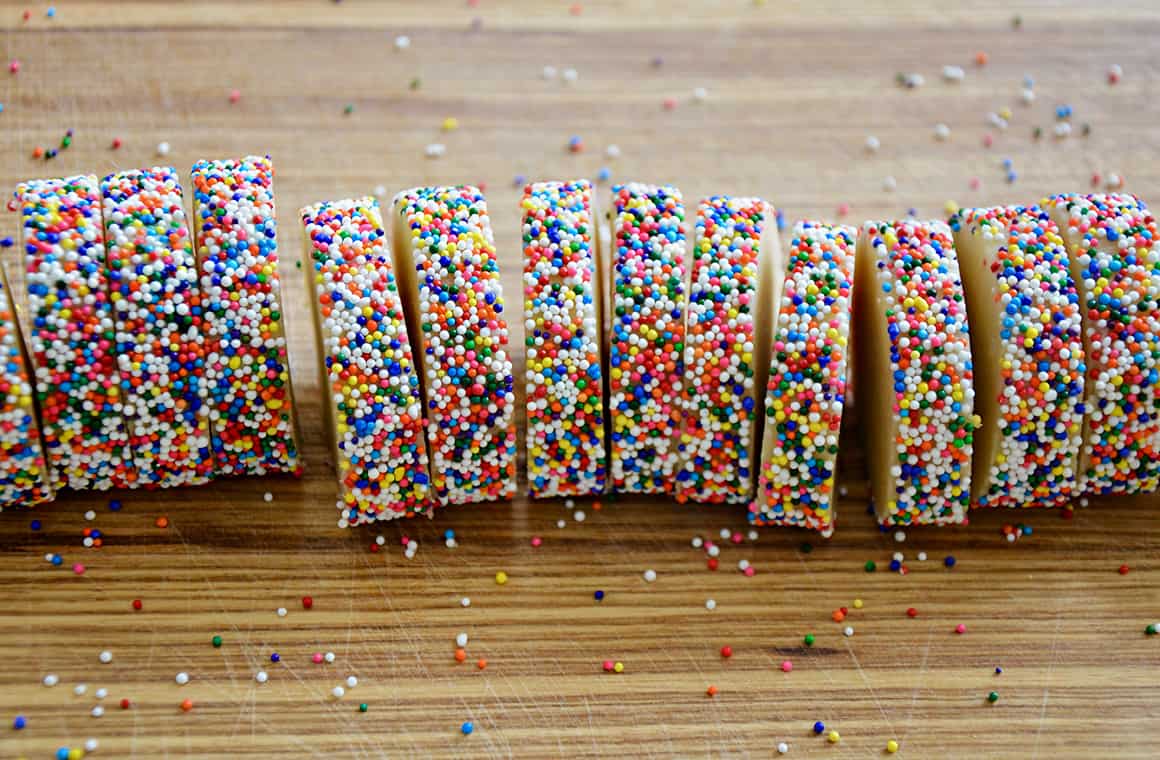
pixel 712 563
pixel 726 651
pixel 126 704
pixel 711 691
pixel 136 604
pixel 307 602
pixel 911 612
pixel 116 143
pixel 1123 569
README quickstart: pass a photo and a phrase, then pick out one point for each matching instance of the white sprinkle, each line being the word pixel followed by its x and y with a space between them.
pixel 402 42
pixel 80 689
pixel 1083 501
pixel 1027 95
pixel 872 144
pixel 351 682
pixel 922 556
pixel 549 72
pixel 435 150
pixel 451 543
pixel 710 604
pixel 48 557
pixel 269 497
pixel 560 523
pixel 569 504
pixel 570 76
pixel 461 640
pixel 782 748
pixel 1010 538
pixel 380 190
pixel 380 540
pixel 338 692
pixel 105 657
pixel 98 711
pixel 941 131
pixel 579 515
pixel 101 693
pixel 743 565
pixel 900 536
pixel 714 550
pixel 51 679
pixel 913 81
pixel 91 745
pixel 753 535
pixel 843 491
pixel 182 678
pixel 889 184
pixel 1115 70
pixel 281 612
pixel 898 557
pixel 953 73
pixel 650 575
pixel 261 676
pixel 700 93
pixel 848 631
pixel 465 601
pixel 698 542
pixel 1062 129
pixel 612 151
pixel 329 657
pixel 1113 182
pixel 88 542
pixel 724 533
pixel 90 515
pixel 163 149
pixel 997 121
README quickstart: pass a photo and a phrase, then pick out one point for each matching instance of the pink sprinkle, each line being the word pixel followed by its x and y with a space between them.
pixel 235 96
pixel 608 665
pixel 975 183
pixel 736 538
pixel 670 103
pixel 750 571
pixel 960 628
pixel 988 140
pixel 317 658
pixel 536 540
pixel 786 666
pixel 14 66
pixel 79 569
pixel 843 209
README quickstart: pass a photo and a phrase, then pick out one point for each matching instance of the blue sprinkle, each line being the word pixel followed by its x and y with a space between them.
pixel 819 727
pixel 949 561
pixel 5 242
pixel 467 728
pixel 598 596
pixel 51 12
pixel 35 525
pixel 115 505
pixel 19 723
pixel 275 657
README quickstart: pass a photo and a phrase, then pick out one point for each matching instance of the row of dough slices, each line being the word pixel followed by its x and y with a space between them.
pixel 661 382
pixel 155 354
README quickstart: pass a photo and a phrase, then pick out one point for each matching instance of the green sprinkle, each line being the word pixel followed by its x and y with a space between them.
pixel 1152 629
pixel 870 566
pixel 349 109
pixel 993 697
pixel 216 641
pixel 806 547
pixel 809 639
pixel 362 707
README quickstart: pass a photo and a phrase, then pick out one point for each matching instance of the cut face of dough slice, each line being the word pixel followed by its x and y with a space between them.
pixel 71 338
pixel 733 290
pixel 449 279
pixel 564 379
pixel 247 372
pixel 647 334
pixel 806 388
pixel 1115 260
pixel 1027 344
pixel 371 403
pixel 159 325
pixel 914 374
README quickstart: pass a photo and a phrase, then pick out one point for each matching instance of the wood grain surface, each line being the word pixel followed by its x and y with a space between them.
pixel 793 89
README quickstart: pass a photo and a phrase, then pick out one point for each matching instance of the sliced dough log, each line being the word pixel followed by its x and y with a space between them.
pixel 372 406
pixel 449 278
pixel 734 286
pixel 247 373
pixel 807 380
pixel 159 325
pixel 914 374
pixel 646 344
pixel 1027 345
pixel 564 379
pixel 72 337
pixel 1115 259
pixel 25 478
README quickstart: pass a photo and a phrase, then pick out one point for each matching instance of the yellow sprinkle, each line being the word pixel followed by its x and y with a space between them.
pixel 857 604
pixel 892 746
pixel 618 667
pixel 501 577
pixel 950 207
pixel 833 737
pixel 450 124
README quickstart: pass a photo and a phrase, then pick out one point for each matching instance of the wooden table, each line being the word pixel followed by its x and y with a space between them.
pixel 793 90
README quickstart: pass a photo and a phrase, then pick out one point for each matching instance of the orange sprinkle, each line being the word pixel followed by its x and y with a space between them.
pixel 162 522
